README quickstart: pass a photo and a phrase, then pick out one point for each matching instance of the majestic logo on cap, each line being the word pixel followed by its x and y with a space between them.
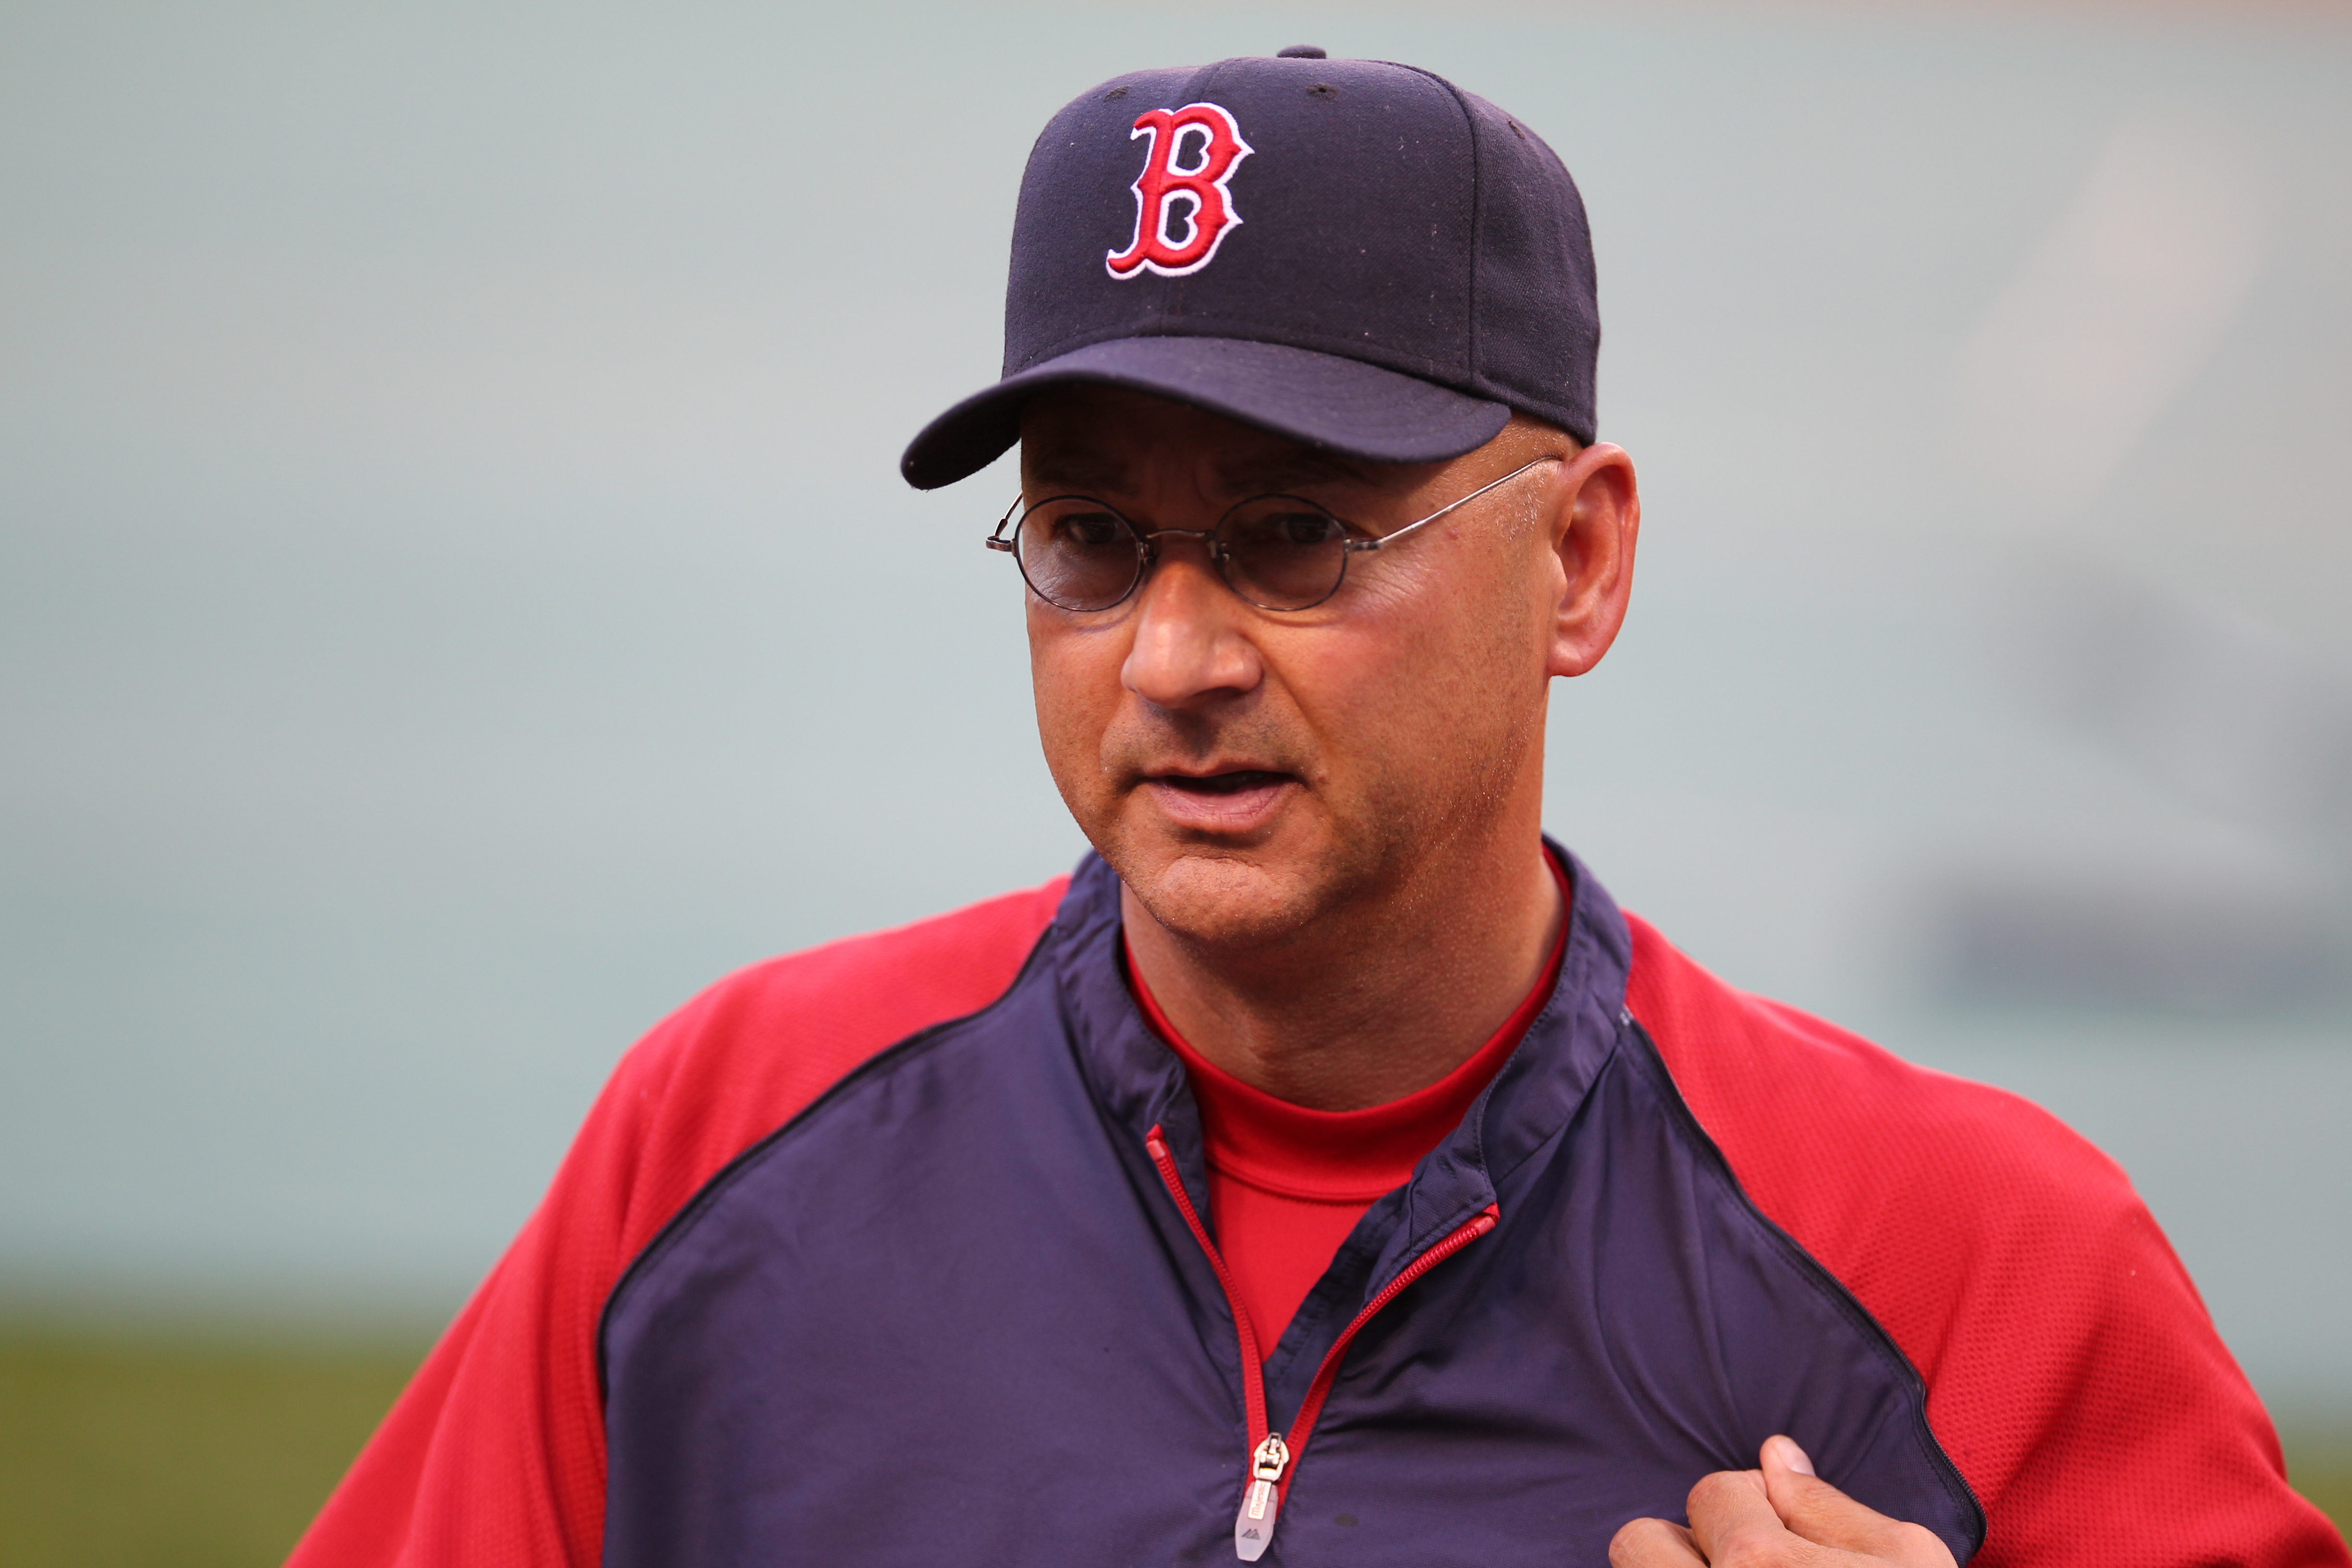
pixel 1194 150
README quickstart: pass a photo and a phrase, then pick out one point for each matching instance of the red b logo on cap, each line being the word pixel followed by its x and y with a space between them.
pixel 1172 190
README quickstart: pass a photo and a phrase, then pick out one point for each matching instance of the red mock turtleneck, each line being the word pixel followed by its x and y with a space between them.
pixel 1286 1183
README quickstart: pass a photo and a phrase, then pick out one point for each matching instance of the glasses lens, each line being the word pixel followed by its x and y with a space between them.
pixel 1283 554
pixel 1078 554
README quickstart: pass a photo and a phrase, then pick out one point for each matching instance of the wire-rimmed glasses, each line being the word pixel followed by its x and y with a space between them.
pixel 1278 551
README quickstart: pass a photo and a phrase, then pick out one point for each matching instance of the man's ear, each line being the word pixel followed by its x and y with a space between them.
pixel 1593 534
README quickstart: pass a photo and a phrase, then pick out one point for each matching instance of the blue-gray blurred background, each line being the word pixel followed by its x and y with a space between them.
pixel 456 596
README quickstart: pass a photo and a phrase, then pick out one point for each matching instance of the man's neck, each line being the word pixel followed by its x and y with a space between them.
pixel 1364 1010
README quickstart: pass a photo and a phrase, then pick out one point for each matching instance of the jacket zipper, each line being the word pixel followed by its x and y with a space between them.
pixel 1273 1459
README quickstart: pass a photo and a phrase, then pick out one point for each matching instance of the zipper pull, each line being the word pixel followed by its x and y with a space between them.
pixel 1253 1526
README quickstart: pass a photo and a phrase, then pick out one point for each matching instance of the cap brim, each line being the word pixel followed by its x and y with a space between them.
pixel 1325 400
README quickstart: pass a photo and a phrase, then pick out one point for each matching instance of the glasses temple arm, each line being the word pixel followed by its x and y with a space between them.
pixel 1441 511
pixel 997 540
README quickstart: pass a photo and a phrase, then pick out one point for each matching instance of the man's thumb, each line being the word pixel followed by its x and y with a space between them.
pixel 1818 1511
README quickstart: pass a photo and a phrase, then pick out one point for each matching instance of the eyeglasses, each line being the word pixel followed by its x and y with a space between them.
pixel 1278 551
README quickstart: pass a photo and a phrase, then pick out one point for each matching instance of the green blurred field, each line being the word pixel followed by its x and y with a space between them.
pixel 2323 1468
pixel 142 1452
pixel 137 1452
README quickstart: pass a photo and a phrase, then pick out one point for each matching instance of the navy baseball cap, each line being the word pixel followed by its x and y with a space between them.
pixel 1354 254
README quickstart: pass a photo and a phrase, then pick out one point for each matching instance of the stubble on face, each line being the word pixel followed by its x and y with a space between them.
pixel 1330 837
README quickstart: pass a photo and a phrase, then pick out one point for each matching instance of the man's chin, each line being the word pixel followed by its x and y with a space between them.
pixel 1225 897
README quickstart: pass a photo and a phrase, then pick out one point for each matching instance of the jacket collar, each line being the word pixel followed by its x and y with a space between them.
pixel 1140 1083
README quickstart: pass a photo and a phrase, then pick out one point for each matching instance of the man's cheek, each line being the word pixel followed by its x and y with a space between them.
pixel 1060 727
pixel 1074 718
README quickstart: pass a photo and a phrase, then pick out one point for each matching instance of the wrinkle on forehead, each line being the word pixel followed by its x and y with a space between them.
pixel 1302 466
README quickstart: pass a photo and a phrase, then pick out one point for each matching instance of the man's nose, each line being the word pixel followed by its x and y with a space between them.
pixel 1190 643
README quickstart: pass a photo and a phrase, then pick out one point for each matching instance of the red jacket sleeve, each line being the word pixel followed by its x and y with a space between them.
pixel 495 1454
pixel 2073 1373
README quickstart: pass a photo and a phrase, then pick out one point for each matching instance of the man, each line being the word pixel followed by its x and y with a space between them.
pixel 1328 1171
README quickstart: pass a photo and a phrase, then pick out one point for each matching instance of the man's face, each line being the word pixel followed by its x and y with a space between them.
pixel 1249 772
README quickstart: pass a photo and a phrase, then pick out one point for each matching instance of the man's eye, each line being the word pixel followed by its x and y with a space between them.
pixel 1087 529
pixel 1304 528
pixel 1287 530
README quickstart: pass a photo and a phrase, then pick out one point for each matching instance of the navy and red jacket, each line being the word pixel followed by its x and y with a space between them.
pixel 896 1252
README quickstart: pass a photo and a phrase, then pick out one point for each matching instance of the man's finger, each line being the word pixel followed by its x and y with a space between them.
pixel 1818 1511
pixel 1654 1544
pixel 1730 1513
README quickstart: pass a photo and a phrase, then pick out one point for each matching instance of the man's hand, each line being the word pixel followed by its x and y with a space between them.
pixel 1781 1514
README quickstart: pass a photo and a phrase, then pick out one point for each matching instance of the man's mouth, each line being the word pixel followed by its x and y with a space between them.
pixel 1223 783
pixel 1238 801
